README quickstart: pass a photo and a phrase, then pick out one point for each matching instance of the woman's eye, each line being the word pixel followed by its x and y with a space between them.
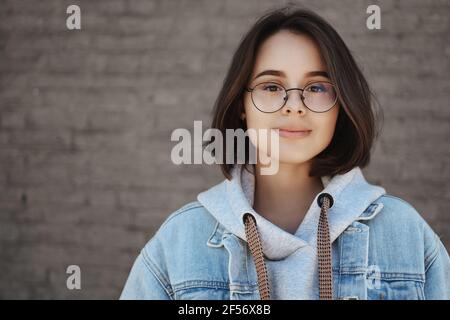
pixel 271 88
pixel 317 88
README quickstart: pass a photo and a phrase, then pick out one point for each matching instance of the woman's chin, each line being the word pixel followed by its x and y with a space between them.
pixel 291 158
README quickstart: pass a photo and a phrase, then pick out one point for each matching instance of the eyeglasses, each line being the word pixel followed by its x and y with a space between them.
pixel 317 96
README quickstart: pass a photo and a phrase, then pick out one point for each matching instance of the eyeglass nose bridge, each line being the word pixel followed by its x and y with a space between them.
pixel 286 97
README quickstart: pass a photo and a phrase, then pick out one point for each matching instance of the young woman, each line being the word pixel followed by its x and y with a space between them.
pixel 316 229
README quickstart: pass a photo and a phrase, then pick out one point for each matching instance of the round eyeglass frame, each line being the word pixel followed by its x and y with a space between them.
pixel 286 97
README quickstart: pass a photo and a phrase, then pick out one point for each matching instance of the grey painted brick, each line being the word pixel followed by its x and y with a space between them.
pixel 86 118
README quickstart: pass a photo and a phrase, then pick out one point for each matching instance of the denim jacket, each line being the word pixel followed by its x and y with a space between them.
pixel 381 249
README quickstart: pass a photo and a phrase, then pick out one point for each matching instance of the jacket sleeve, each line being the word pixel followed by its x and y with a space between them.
pixel 437 272
pixel 143 282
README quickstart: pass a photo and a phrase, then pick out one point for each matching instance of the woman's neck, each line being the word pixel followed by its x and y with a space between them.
pixel 285 197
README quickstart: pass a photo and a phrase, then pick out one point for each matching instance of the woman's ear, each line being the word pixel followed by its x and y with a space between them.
pixel 242 116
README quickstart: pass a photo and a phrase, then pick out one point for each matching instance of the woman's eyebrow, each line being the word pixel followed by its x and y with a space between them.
pixel 279 73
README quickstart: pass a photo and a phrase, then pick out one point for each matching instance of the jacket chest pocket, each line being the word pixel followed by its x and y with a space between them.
pixel 222 291
pixel 202 294
pixel 396 290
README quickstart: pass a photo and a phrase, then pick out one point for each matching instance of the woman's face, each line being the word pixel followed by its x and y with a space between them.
pixel 296 56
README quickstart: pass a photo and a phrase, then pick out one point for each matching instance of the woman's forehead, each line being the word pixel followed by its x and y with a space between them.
pixel 293 54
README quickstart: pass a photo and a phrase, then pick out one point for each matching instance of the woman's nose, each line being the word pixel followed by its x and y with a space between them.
pixel 294 103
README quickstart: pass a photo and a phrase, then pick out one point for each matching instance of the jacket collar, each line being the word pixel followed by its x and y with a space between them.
pixel 354 199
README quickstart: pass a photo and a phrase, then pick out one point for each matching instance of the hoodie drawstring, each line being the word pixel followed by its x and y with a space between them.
pixel 325 201
pixel 254 242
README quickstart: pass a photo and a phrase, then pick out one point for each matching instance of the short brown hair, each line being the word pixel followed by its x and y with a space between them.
pixel 355 128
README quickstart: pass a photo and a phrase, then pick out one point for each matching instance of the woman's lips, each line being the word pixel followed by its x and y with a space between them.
pixel 293 133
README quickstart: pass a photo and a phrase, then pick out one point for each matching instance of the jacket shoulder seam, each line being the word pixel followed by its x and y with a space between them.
pixel 400 199
pixel 187 207
pixel 149 265
pixel 433 255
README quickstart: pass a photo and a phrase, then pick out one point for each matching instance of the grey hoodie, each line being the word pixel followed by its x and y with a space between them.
pixel 291 259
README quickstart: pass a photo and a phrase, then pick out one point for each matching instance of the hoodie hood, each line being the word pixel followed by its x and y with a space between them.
pixel 230 200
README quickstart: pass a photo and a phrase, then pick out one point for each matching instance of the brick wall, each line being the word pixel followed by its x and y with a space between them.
pixel 86 118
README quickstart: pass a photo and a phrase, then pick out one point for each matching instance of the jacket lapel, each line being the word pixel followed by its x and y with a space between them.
pixel 241 269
